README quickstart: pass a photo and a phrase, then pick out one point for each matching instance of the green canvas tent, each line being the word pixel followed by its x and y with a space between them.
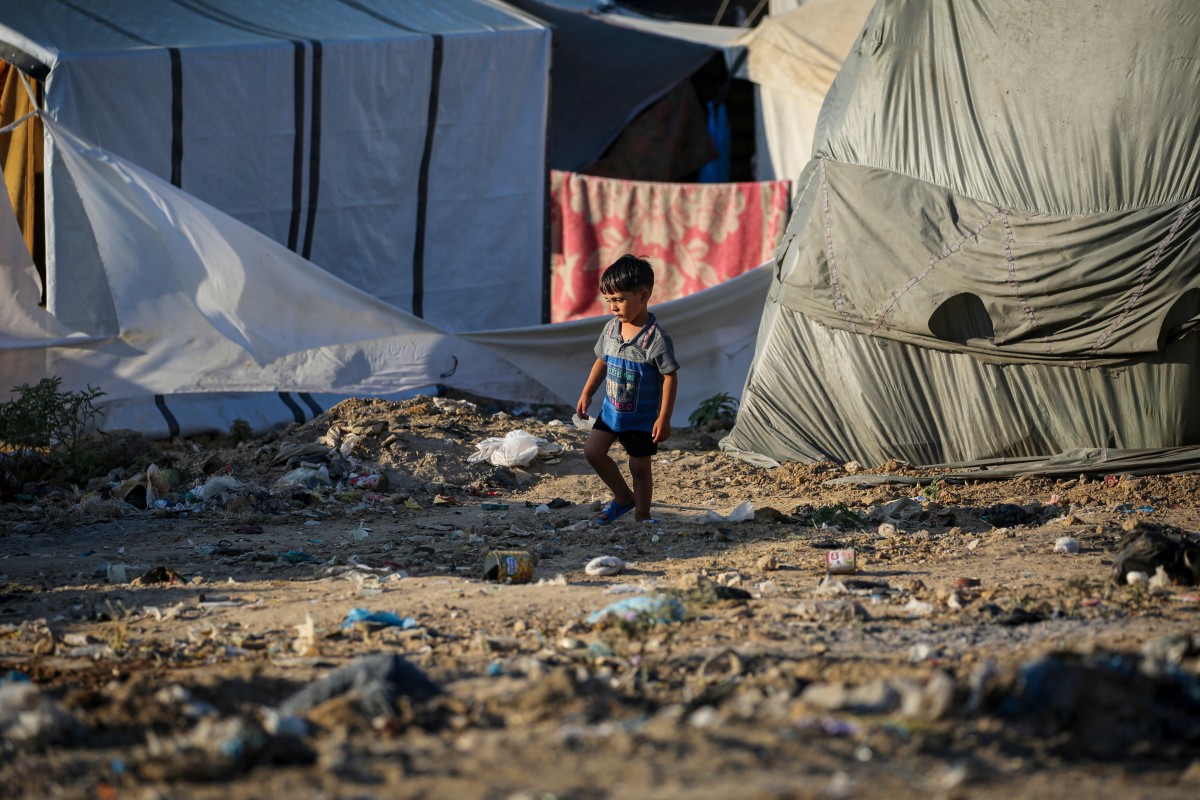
pixel 995 252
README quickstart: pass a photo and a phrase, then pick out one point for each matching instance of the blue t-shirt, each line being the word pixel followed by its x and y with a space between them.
pixel 633 389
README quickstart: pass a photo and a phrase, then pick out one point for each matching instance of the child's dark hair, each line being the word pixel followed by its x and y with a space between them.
pixel 627 274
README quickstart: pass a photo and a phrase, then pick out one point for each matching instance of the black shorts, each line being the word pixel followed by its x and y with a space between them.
pixel 638 444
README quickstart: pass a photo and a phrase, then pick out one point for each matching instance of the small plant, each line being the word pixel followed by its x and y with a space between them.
pixel 930 492
pixel 716 412
pixel 42 433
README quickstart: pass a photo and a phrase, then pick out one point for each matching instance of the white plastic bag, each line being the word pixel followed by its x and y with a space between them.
pixel 743 513
pixel 517 449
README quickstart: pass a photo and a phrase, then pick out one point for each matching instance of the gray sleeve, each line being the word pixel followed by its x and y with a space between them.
pixel 662 353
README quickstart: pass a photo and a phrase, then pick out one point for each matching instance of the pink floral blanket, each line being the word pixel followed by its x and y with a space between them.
pixel 696 235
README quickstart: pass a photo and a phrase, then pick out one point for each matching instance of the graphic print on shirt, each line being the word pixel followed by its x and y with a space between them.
pixel 623 387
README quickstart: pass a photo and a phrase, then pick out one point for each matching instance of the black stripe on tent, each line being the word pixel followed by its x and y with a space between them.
pixel 312 404
pixel 172 423
pixel 176 116
pixel 370 12
pixel 297 414
pixel 418 267
pixel 314 149
pixel 223 17
pixel 298 147
pixel 107 23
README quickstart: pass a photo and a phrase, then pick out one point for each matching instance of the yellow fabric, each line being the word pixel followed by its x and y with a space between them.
pixel 21 152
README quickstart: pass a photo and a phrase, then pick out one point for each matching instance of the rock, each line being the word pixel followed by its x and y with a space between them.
pixel 768 563
pixel 1066 544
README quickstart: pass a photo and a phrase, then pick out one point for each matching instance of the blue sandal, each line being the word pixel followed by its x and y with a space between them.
pixel 612 510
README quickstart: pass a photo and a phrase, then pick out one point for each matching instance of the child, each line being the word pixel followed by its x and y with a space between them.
pixel 636 361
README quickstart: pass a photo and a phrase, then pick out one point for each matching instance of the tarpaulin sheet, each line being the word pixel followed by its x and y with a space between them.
pixel 695 235
pixel 204 304
pixel 996 249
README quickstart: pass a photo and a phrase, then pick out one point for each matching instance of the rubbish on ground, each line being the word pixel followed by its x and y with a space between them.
pixel 743 513
pixel 1066 544
pixel 371 480
pixel 558 502
pixel 901 508
pixel 918 608
pixel 375 682
pixel 115 573
pixel 605 565
pixel 143 489
pixel 517 448
pixel 360 533
pixel 1148 546
pixel 509 566
pixel 836 516
pixel 494 506
pixel 840 562
pixel 659 608
pixel 386 619
pixel 29 718
pixel 1006 515
pixel 218 487
pixel 158 575
pixel 296 557
pixel 542 509
pixel 305 478
pixel 582 424
pixel 444 500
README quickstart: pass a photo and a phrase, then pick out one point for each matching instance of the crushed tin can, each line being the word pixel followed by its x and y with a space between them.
pixel 840 562
pixel 509 566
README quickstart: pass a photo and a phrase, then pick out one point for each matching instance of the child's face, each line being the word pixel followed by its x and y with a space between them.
pixel 629 307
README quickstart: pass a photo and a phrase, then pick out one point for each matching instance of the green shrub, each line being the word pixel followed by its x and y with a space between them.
pixel 42 434
pixel 720 410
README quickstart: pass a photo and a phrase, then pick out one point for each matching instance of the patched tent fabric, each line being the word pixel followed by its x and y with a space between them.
pixel 995 252
pixel 400 145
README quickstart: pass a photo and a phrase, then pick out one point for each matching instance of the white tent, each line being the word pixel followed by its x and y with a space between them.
pixel 401 145
pixel 209 308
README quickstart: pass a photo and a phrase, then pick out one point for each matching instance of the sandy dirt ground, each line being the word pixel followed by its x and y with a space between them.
pixel 306 614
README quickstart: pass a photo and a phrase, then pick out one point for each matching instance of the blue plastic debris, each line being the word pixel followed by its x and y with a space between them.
pixel 386 618
pixel 648 607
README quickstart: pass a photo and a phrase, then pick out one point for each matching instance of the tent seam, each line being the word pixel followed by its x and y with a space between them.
pixel 933 262
pixel 1145 276
pixel 834 279
pixel 1013 283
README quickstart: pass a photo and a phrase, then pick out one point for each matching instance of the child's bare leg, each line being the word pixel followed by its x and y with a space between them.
pixel 642 472
pixel 596 453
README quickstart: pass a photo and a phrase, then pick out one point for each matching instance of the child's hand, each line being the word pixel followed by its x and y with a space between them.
pixel 662 431
pixel 582 406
